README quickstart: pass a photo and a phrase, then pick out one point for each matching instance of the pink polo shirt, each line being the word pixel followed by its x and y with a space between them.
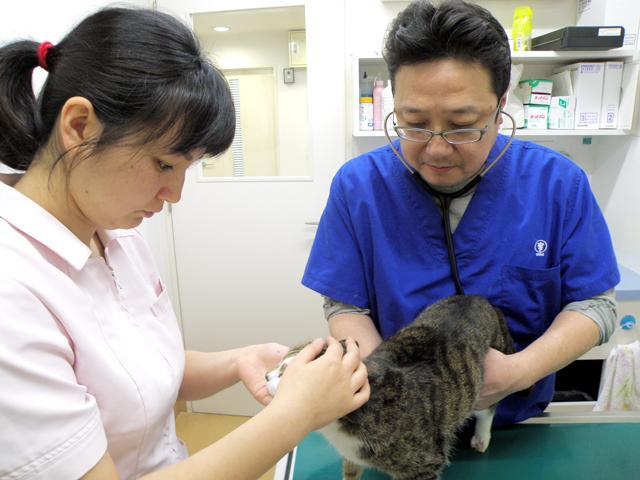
pixel 91 357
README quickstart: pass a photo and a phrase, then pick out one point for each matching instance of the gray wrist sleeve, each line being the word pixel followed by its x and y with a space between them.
pixel 602 309
pixel 332 307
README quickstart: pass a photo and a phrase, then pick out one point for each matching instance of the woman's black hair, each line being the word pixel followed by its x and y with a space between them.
pixel 142 71
pixel 455 29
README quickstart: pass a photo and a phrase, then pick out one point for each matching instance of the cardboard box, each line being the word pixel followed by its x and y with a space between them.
pixel 562 84
pixel 587 80
pixel 612 85
pixel 536 117
pixel 562 113
pixel 625 13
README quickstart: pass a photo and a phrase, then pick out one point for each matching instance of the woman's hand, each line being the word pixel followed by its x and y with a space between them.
pixel 253 366
pixel 319 390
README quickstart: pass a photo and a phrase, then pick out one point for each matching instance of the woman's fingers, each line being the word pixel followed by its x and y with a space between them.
pixel 310 352
pixel 359 378
pixel 351 358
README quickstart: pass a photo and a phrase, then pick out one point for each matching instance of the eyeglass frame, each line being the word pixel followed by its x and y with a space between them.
pixel 442 133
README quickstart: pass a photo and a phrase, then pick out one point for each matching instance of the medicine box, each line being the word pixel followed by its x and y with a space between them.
pixel 527 87
pixel 587 79
pixel 561 113
pixel 536 117
pixel 537 99
pixel 612 85
pixel 625 13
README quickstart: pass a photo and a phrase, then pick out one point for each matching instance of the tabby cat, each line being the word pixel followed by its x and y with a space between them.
pixel 424 382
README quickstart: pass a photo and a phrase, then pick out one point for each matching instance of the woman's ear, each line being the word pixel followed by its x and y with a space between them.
pixel 78 123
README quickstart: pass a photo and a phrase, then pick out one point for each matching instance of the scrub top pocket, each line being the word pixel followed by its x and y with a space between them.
pixel 530 298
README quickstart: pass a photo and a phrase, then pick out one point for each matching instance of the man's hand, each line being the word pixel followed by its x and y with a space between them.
pixel 503 375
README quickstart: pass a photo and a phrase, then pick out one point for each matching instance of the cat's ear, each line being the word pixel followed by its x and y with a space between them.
pixel 411 345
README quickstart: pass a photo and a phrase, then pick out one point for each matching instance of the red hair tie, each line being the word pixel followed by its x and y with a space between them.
pixel 43 51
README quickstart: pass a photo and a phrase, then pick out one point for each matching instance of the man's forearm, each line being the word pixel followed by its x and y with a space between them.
pixel 570 335
pixel 358 327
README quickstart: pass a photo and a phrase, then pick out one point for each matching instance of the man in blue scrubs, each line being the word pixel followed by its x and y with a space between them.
pixel 529 236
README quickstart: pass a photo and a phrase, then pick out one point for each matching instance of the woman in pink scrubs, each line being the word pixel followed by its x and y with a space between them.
pixel 91 358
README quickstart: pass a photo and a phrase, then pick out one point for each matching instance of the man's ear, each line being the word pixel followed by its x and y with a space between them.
pixel 502 103
pixel 78 123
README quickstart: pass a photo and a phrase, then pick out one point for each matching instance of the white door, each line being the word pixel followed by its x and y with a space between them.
pixel 241 245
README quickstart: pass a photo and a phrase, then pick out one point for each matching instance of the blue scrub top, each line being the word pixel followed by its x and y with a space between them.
pixel 532 240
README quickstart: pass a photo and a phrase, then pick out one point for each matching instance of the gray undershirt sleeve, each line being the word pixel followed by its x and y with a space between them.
pixel 332 307
pixel 602 309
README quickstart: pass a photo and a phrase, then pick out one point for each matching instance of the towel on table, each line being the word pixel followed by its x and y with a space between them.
pixel 620 382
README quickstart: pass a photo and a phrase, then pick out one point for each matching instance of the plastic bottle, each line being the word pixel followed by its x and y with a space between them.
pixel 377 104
pixel 521 30
pixel 366 113
pixel 627 331
pixel 366 88
pixel 387 104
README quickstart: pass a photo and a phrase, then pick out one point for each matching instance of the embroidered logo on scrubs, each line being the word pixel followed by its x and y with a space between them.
pixel 540 247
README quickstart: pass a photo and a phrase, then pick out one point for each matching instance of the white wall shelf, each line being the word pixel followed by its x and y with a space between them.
pixel 538 64
pixel 550 56
pixel 568 133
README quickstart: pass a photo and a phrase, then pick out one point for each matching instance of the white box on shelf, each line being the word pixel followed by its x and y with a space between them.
pixel 625 13
pixel 562 84
pixel 587 79
pixel 611 88
pixel 536 117
pixel 561 113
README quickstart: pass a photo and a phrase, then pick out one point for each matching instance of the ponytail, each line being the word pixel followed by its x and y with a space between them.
pixel 19 139
pixel 143 73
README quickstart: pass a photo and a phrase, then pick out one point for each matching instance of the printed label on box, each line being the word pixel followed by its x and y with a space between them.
pixel 540 99
pixel 587 118
pixel 590 68
pixel 609 32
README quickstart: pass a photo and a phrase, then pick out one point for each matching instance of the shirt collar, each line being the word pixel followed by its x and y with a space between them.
pixel 34 221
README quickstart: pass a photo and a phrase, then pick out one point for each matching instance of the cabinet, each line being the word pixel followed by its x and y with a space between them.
pixel 537 64
pixel 297 48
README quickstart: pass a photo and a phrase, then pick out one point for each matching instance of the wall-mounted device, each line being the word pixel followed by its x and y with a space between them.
pixel 288 75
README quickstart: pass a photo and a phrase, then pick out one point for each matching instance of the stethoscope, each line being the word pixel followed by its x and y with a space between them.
pixel 445 197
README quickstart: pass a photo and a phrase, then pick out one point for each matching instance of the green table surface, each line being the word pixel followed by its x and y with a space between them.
pixel 594 451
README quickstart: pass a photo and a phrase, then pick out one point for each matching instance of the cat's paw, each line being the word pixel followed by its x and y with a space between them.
pixel 480 443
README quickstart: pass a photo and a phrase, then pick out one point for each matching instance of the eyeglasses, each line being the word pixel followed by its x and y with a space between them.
pixel 459 136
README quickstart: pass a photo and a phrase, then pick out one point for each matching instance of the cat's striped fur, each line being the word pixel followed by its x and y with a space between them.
pixel 424 381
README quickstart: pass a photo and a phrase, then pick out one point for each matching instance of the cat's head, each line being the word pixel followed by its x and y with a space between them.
pixel 273 376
